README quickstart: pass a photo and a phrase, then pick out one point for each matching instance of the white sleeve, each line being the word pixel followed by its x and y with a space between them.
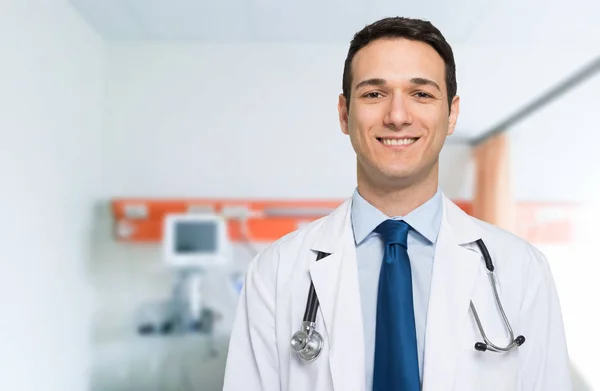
pixel 252 361
pixel 544 356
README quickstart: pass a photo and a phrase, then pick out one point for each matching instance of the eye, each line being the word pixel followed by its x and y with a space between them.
pixel 373 95
pixel 423 95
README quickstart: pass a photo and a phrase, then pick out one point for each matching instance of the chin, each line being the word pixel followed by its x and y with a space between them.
pixel 398 177
pixel 391 175
pixel 405 175
pixel 398 172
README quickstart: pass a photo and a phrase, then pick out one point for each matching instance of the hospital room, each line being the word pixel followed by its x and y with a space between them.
pixel 186 185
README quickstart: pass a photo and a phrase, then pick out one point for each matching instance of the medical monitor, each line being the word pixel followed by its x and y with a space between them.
pixel 195 240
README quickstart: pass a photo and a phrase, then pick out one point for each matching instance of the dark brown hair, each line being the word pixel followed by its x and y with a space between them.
pixel 407 28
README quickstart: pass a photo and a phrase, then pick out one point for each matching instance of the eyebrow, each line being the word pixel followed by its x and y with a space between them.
pixel 425 82
pixel 370 82
pixel 415 80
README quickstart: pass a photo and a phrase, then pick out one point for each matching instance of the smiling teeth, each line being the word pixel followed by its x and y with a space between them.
pixel 404 141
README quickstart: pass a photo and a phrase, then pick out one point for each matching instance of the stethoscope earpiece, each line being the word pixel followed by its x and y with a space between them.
pixel 482 346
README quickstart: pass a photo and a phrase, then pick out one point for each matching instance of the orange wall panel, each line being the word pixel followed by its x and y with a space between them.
pixel 141 220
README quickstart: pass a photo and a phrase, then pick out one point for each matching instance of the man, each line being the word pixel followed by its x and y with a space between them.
pixel 402 263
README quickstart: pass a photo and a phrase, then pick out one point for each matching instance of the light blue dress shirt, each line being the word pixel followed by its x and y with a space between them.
pixel 425 221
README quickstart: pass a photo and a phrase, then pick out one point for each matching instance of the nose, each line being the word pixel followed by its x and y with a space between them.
pixel 398 112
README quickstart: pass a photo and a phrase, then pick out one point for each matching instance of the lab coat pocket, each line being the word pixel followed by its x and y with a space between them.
pixel 314 375
pixel 487 371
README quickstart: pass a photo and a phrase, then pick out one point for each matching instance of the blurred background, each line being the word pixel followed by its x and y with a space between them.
pixel 150 148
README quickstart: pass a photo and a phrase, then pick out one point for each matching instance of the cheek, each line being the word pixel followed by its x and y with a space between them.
pixel 358 128
pixel 355 135
pixel 441 132
pixel 364 119
pixel 437 128
pixel 366 113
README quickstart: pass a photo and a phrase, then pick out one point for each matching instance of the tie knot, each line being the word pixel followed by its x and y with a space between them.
pixel 394 232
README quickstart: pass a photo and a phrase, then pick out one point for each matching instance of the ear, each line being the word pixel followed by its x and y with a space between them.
pixel 343 113
pixel 454 109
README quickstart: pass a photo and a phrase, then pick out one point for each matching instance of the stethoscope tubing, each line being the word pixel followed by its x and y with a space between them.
pixel 312 306
pixel 312 302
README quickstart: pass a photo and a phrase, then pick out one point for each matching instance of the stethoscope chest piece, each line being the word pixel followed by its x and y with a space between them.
pixel 307 342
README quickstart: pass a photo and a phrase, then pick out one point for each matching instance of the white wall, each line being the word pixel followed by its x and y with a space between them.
pixel 555 157
pixel 237 120
pixel 555 153
pixel 51 95
pixel 233 121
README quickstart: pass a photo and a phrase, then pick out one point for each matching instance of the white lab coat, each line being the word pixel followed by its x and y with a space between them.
pixel 273 301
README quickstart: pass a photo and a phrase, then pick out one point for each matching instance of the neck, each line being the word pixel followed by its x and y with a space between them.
pixel 397 199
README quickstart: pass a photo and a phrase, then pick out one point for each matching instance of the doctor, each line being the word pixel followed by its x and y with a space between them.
pixel 403 266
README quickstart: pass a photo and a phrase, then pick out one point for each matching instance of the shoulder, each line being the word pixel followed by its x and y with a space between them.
pixel 512 252
pixel 512 256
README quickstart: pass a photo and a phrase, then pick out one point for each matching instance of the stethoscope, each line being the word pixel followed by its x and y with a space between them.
pixel 308 342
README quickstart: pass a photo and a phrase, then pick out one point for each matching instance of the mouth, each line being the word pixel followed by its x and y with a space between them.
pixel 397 142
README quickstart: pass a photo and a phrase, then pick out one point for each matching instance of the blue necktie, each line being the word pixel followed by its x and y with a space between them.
pixel 396 358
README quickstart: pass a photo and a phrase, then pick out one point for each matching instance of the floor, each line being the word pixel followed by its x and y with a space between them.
pixel 172 363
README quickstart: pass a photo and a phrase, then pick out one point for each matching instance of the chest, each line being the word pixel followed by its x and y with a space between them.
pixel 449 343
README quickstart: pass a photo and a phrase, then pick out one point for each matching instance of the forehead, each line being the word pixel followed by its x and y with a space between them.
pixel 396 59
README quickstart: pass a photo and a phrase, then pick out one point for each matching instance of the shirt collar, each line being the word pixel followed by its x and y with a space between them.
pixel 426 219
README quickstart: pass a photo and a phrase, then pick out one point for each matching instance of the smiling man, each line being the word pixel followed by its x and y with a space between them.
pixel 397 115
pixel 391 291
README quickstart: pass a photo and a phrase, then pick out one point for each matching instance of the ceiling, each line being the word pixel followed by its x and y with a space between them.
pixel 462 21
pixel 525 46
pixel 264 20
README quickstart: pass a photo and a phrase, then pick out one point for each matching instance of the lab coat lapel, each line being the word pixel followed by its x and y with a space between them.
pixel 336 282
pixel 455 268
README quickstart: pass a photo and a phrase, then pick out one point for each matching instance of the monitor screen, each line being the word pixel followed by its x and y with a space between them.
pixel 193 237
